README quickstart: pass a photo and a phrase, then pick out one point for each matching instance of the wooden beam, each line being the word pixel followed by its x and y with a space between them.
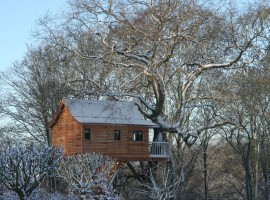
pixel 136 175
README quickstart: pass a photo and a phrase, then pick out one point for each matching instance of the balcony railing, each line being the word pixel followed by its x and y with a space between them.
pixel 160 149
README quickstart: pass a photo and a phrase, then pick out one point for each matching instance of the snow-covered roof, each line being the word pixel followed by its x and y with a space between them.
pixel 106 112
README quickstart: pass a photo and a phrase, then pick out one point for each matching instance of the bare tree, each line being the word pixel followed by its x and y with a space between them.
pixel 88 174
pixel 163 54
pixel 158 49
pixel 263 102
pixel 161 184
pixel 36 86
pixel 246 104
pixel 24 167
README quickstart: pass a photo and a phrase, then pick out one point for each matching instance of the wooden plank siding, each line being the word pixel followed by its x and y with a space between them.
pixel 69 134
pixel 103 141
pixel 58 133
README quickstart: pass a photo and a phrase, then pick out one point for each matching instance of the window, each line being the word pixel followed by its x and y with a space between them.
pixel 87 134
pixel 116 134
pixel 137 136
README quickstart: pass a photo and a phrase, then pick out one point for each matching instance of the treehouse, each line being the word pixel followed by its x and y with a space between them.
pixel 112 128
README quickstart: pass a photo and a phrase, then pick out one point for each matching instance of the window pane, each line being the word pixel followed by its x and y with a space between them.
pixel 116 134
pixel 138 136
pixel 87 134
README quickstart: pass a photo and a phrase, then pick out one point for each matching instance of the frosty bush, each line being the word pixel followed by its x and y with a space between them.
pixel 37 194
pixel 23 167
pixel 88 175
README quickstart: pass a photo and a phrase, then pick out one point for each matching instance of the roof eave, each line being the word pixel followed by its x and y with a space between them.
pixel 57 114
pixel 144 125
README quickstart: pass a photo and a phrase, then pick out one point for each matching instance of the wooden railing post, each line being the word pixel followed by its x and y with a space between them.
pixel 159 149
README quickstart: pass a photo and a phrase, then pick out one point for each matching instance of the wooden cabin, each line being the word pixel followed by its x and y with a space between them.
pixel 112 128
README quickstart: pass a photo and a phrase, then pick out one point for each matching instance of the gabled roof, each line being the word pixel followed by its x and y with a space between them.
pixel 104 112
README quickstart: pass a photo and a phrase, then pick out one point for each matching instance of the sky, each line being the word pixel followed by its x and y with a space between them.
pixel 17 20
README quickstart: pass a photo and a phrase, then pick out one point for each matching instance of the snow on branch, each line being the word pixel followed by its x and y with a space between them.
pixel 88 175
pixel 24 167
pixel 161 184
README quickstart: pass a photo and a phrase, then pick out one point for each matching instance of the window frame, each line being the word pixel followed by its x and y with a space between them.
pixel 138 136
pixel 117 135
pixel 87 131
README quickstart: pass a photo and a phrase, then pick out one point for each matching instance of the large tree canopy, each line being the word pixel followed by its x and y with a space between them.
pixel 191 66
pixel 156 52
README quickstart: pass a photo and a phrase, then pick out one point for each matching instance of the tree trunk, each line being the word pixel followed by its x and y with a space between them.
pixel 205 171
pixel 172 163
pixel 255 168
pixel 21 195
pixel 249 183
pixel 158 135
pixel 267 184
pixel 153 164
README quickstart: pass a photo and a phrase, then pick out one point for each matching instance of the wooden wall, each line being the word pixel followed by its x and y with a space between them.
pixel 67 133
pixel 102 141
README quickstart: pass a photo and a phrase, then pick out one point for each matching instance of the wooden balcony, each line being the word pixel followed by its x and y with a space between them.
pixel 160 150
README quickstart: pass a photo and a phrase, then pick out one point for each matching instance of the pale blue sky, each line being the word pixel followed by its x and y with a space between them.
pixel 17 19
